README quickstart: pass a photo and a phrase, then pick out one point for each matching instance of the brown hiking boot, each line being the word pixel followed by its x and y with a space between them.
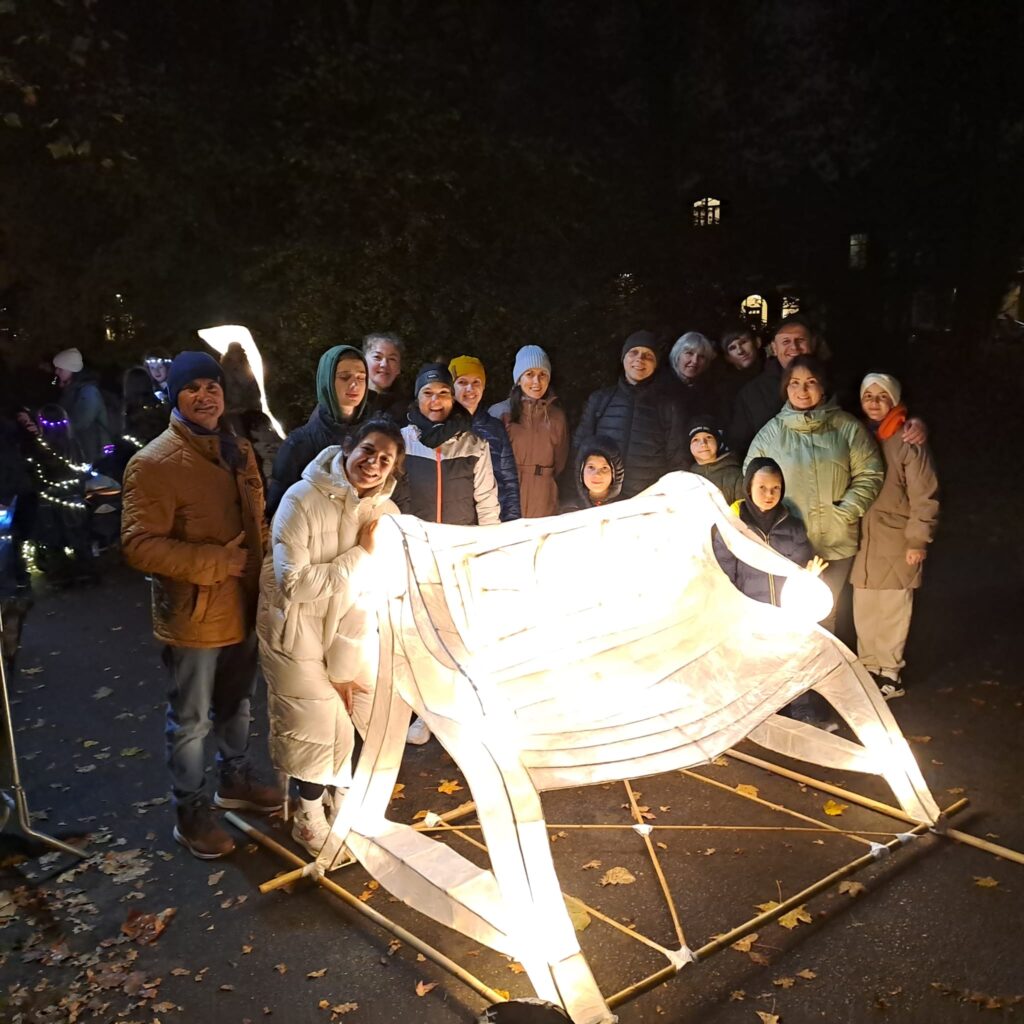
pixel 243 790
pixel 199 831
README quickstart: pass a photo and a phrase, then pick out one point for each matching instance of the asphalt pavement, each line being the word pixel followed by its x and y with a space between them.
pixel 141 931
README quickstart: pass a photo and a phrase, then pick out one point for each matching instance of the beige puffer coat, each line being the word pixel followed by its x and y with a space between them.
pixel 904 517
pixel 182 507
pixel 317 619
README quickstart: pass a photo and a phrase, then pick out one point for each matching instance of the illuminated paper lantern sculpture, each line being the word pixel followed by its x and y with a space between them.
pixel 563 652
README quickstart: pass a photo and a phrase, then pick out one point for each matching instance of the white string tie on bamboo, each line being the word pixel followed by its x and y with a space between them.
pixel 679 958
pixel 907 837
pixel 879 850
pixel 644 829
pixel 432 820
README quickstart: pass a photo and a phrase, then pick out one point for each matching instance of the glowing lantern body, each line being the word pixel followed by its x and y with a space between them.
pixel 582 649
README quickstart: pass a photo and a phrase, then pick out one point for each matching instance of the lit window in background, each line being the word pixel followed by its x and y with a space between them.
pixel 707 212
pixel 790 305
pixel 754 310
pixel 858 251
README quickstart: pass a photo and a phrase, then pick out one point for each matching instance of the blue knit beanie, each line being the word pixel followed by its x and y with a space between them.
pixel 530 357
pixel 189 366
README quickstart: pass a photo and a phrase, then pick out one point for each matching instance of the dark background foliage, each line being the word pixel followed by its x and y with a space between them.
pixel 481 175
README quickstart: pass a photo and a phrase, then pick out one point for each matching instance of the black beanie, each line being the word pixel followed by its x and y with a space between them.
pixel 433 373
pixel 189 366
pixel 641 339
pixel 706 425
pixel 762 462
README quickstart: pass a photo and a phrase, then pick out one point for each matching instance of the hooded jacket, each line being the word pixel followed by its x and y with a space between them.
pixel 540 441
pixel 780 528
pixel 832 468
pixel 316 618
pixel 323 429
pixel 182 505
pixel 645 424
pixel 904 516
pixel 607 450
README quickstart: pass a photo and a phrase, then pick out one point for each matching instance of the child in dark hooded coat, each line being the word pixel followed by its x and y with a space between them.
pixel 764 511
pixel 599 473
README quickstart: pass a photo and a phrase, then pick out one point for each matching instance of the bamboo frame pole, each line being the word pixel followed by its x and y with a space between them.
pixel 307 869
pixel 768 916
pixel 446 963
pixel 652 853
pixel 459 830
pixel 697 828
pixel 875 805
pixel 774 806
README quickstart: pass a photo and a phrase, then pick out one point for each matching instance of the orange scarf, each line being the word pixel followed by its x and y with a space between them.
pixel 896 418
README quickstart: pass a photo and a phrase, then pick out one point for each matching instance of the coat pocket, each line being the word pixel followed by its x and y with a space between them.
pixel 201 604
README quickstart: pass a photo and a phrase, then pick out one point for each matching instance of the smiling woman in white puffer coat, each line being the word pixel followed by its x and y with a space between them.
pixel 316 623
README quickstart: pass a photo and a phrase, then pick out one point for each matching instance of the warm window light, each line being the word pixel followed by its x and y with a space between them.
pixel 219 338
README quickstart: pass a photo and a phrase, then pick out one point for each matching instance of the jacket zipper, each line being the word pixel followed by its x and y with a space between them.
pixel 437 455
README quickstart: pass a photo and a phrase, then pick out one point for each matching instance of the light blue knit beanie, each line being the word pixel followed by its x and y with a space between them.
pixel 530 357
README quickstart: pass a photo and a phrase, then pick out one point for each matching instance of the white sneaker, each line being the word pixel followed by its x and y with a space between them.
pixel 310 830
pixel 890 688
pixel 419 732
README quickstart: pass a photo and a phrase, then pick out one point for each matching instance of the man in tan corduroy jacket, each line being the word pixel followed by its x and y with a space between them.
pixel 193 520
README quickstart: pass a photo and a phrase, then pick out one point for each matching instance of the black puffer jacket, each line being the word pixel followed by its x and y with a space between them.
pixel 303 445
pixel 645 424
pixel 756 403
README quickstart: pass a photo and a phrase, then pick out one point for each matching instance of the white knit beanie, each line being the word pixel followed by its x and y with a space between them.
pixel 69 359
pixel 886 382
pixel 530 357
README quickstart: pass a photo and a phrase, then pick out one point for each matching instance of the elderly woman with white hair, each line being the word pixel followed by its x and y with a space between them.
pixel 691 383
pixel 895 534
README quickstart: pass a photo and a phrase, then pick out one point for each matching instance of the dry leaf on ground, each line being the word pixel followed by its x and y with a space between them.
pixel 743 945
pixel 215 878
pixel 423 987
pixel 737 995
pixel 449 786
pixel 758 958
pixel 317 974
pixel 147 928
pixel 768 1018
pixel 591 865
pixel 342 1008
pixel 577 913
pixel 516 968
pixel 806 974
pixel 985 882
pixel 852 888
pixel 789 920
pixel 834 808
pixel 919 739
pixel 281 968
pixel 784 982
pixel 747 790
pixel 617 876
pixel 397 793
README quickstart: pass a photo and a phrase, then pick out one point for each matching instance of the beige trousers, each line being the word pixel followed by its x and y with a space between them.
pixel 882 620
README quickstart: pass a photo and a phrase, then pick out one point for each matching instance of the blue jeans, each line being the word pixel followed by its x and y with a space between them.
pixel 211 688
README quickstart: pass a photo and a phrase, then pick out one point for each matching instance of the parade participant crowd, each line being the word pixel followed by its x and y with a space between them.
pixel 850 493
